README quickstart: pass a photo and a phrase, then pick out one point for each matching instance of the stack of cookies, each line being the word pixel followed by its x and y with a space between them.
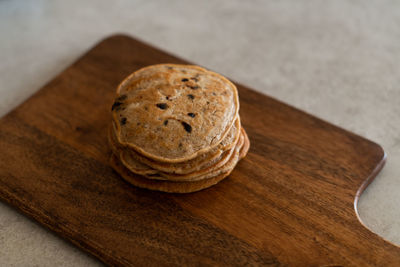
pixel 176 128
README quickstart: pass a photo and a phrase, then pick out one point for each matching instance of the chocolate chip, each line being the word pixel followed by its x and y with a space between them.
pixel 138 123
pixel 121 98
pixel 116 105
pixel 168 97
pixel 123 121
pixel 191 114
pixel 185 80
pixel 146 108
pixel 213 93
pixel 180 145
pixel 195 87
pixel 165 122
pixel 187 127
pixel 208 102
pixel 191 96
pixel 162 106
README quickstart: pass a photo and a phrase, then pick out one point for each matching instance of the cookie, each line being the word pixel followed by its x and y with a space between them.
pixel 246 144
pixel 202 161
pixel 166 186
pixel 227 161
pixel 174 113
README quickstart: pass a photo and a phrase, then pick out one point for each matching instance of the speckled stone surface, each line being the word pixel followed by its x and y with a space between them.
pixel 339 60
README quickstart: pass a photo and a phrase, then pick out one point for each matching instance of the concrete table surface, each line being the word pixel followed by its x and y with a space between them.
pixel 339 60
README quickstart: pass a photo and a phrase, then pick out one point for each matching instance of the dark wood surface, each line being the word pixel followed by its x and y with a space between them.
pixel 289 202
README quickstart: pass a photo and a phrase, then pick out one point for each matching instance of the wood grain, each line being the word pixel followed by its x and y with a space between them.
pixel 289 202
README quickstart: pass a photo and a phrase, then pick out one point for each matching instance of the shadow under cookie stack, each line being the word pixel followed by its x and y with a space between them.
pixel 176 128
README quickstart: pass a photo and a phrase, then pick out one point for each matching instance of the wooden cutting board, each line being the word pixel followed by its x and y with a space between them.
pixel 291 201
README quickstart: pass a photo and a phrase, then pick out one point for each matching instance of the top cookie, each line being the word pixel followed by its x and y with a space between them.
pixel 173 113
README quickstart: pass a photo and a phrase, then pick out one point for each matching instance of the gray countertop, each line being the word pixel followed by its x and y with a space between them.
pixel 339 60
